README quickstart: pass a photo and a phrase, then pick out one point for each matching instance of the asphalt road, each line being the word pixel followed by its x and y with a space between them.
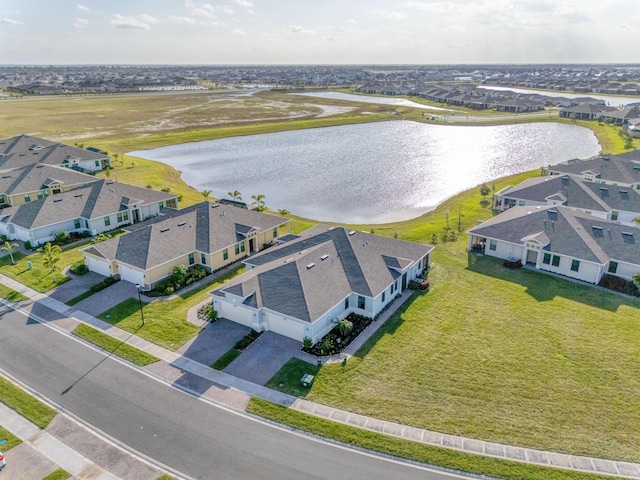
pixel 192 436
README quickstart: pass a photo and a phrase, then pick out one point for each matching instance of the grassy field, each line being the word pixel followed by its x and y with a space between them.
pixel 26 405
pixel 38 276
pixel 11 295
pixel 113 345
pixel 165 320
pixel 443 457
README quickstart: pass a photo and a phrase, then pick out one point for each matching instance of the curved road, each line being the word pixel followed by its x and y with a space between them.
pixel 191 436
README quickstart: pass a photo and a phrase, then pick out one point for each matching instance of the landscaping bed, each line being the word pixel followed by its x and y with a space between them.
pixel 340 336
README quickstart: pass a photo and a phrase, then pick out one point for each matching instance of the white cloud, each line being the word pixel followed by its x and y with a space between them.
pixel 185 20
pixel 139 22
pixel 239 32
pixel 82 7
pixel 395 14
pixel 351 21
pixel 330 38
pixel 228 10
pixel 10 21
pixel 297 29
pixel 81 23
pixel 244 3
pixel 205 11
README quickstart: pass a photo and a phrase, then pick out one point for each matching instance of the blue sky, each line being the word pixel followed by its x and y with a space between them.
pixel 321 32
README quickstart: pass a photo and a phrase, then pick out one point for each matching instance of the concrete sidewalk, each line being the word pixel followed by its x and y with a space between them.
pixel 176 365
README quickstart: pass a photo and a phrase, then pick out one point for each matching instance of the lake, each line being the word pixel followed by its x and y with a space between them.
pixel 372 172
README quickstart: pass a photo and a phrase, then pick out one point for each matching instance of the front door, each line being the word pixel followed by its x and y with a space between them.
pixel 136 215
pixel 404 281
pixel 252 245
pixel 532 256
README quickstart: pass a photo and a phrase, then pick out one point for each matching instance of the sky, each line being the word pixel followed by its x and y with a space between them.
pixel 318 32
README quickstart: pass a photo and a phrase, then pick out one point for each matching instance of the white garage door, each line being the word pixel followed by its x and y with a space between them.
pixel 286 327
pixel 131 275
pixel 98 266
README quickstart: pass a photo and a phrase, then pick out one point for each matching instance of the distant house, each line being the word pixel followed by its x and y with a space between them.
pixel 96 207
pixel 25 150
pixel 302 287
pixel 623 169
pixel 560 240
pixel 585 111
pixel 206 234
pixel 614 202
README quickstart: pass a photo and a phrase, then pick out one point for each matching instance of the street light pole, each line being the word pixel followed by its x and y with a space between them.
pixel 140 303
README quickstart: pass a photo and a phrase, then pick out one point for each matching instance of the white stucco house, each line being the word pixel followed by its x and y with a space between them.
pixel 302 286
pixel 562 240
pixel 96 207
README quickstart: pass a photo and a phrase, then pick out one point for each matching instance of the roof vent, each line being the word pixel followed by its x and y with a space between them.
pixel 162 230
pixel 352 232
pixel 324 257
pixel 78 196
pixel 57 199
pixel 310 266
pixel 215 205
pixel 181 224
pixel 39 166
pixel 288 260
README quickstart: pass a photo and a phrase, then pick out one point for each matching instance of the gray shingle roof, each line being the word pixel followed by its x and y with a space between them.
pixel 39 177
pixel 205 227
pixel 613 168
pixel 308 275
pixel 25 150
pixel 570 232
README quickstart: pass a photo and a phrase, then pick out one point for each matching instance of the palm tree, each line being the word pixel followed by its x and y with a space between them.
pixel 205 194
pixel 284 212
pixel 50 256
pixel 258 202
pixel 637 221
pixel 235 195
pixel 8 247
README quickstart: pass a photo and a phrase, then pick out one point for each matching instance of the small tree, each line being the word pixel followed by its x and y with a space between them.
pixel 434 238
pixel 50 257
pixel 637 221
pixel 206 194
pixel 235 195
pixel 284 212
pixel 9 247
pixel 179 274
pixel 484 190
pixel 344 326
pixel 258 202
pixel 636 280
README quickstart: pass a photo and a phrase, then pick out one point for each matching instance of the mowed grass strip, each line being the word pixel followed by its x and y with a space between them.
pixel 26 405
pixel 79 298
pixel 224 361
pixel 11 295
pixel 415 451
pixel 11 439
pixel 287 379
pixel 165 319
pixel 114 345
pixel 59 474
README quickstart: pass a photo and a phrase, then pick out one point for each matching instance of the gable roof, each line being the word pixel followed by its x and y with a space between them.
pixel 39 177
pixel 93 200
pixel 615 168
pixel 312 273
pixel 570 232
pixel 204 227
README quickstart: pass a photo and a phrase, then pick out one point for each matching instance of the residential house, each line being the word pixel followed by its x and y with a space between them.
pixel 96 207
pixel 207 234
pixel 613 202
pixel 302 287
pixel 560 240
pixel 623 169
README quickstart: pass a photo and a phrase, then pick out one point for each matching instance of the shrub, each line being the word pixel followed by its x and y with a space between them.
pixel 62 237
pixel 247 340
pixel 207 312
pixel 27 245
pixel 79 268
pixel 100 238
pixel 307 342
pixel 619 285
pixel 169 290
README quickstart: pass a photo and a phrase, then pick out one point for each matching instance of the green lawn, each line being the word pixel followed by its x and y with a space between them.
pixel 287 379
pixel 226 359
pixel 11 295
pixel 12 440
pixel 25 404
pixel 59 474
pixel 165 320
pixel 443 457
pixel 38 276
pixel 115 346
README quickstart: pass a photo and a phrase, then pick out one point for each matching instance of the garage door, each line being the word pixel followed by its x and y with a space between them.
pixel 98 266
pixel 131 275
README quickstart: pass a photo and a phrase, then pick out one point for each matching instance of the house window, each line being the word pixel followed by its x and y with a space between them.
pixel 575 265
pixel 521 203
pixel 27 198
pixel 493 244
pixel 55 191
pixel 86 223
pixel 76 223
pixel 555 261
pixel 242 247
pixel 192 259
pixel 225 254
pixel 125 215
pixel 361 302
pixel 614 215
pixel 203 259
pixel 275 232
pixel 346 303
pixel 237 248
pixel 383 297
pixel 107 221
pixel 613 267
pixel 97 163
pixel 161 205
pixel 546 259
pixel 40 195
pixel 119 217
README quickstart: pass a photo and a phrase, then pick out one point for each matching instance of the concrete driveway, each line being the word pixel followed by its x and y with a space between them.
pixel 264 357
pixel 78 285
pixel 214 341
pixel 107 298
